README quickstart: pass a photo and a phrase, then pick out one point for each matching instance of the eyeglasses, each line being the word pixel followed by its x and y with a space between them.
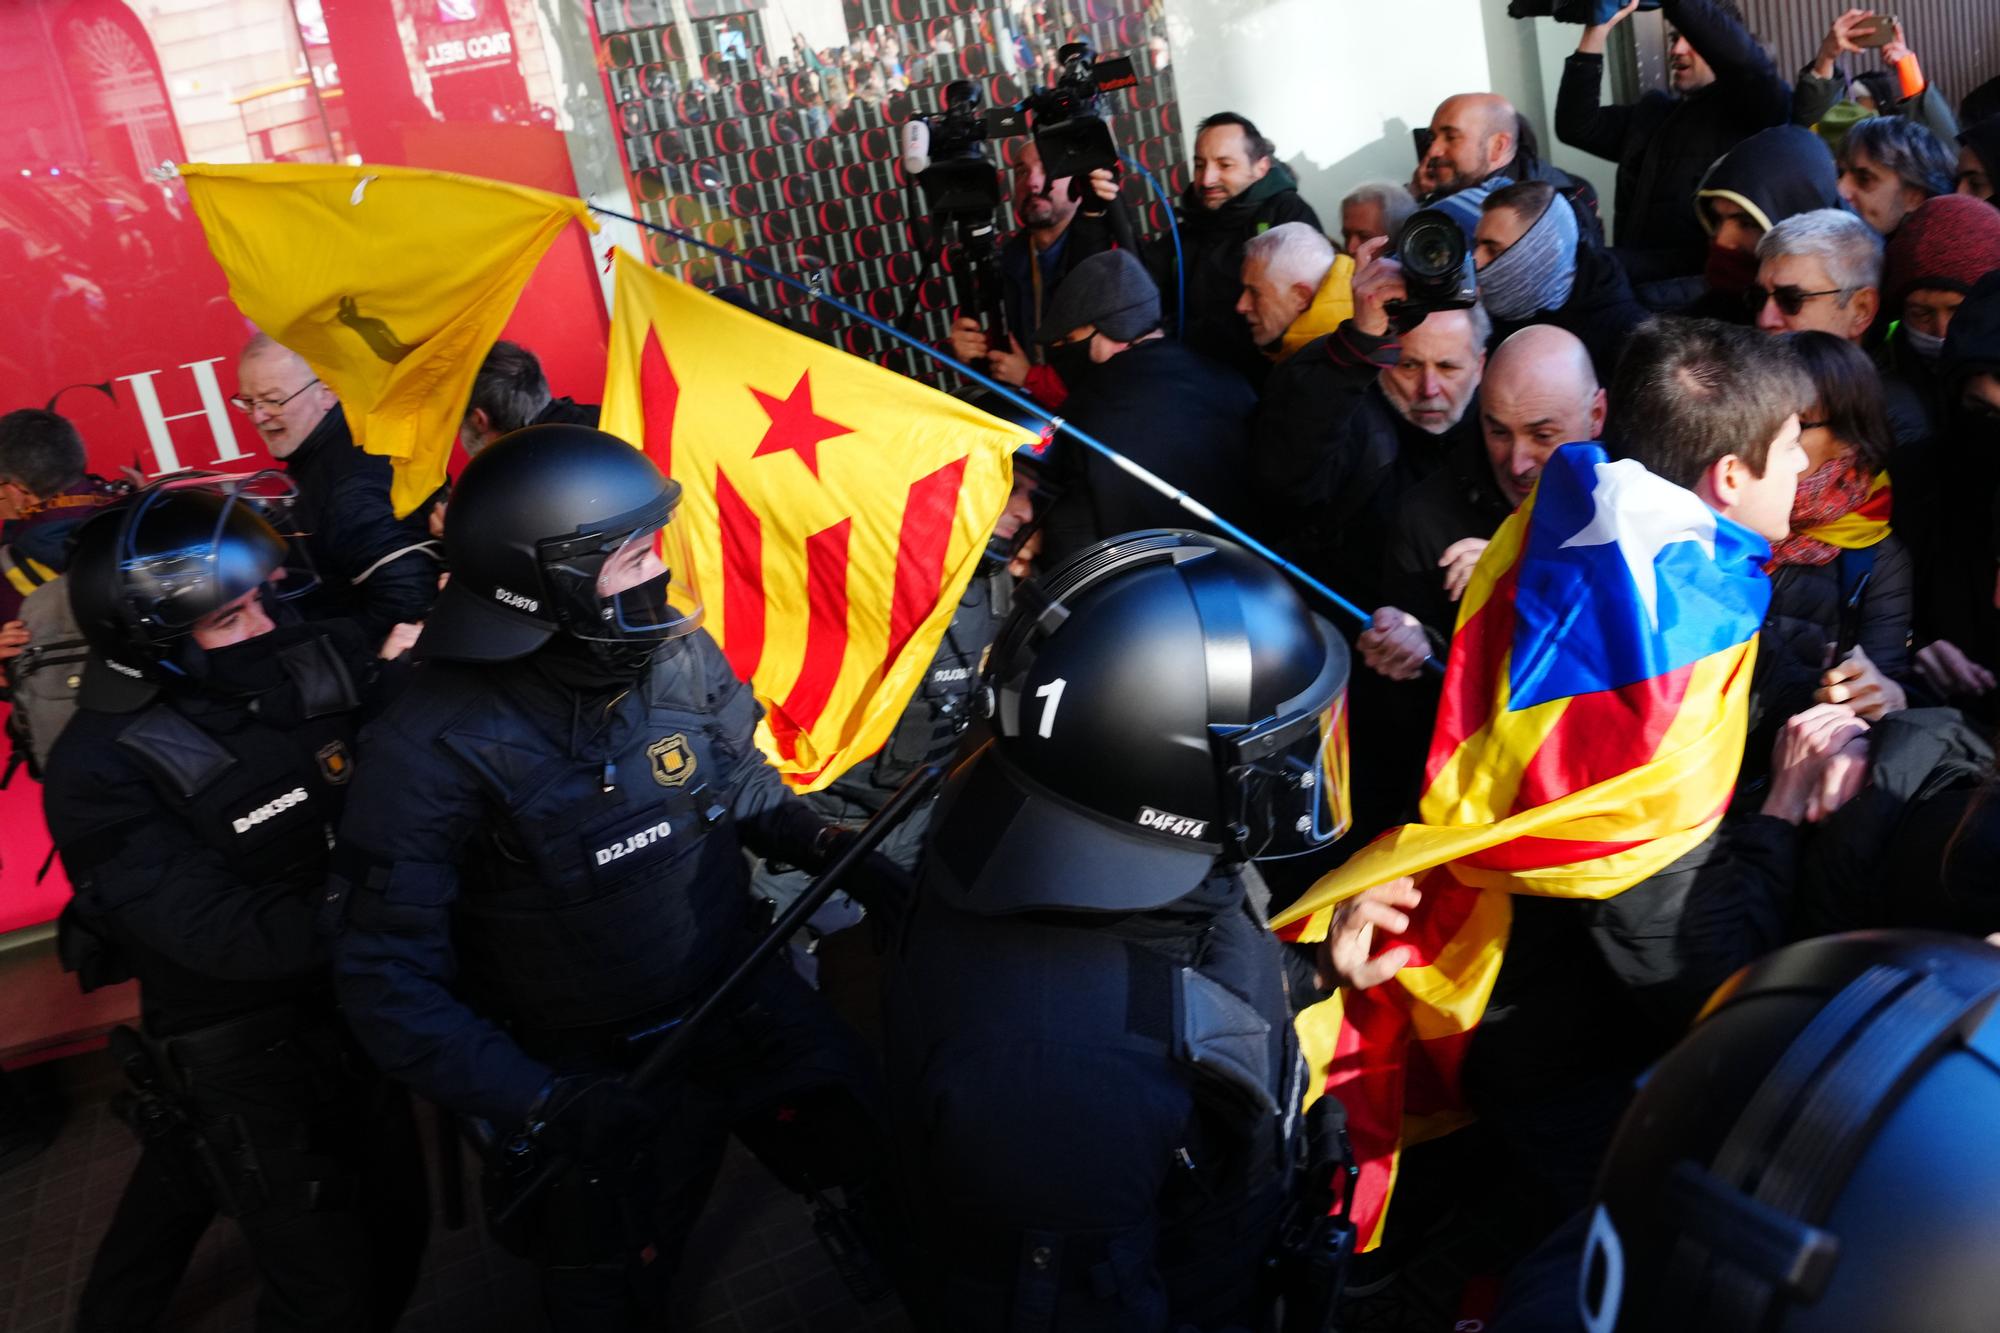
pixel 249 406
pixel 1805 425
pixel 1790 299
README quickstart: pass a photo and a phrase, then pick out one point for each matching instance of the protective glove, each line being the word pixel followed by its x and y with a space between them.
pixel 596 1119
pixel 877 883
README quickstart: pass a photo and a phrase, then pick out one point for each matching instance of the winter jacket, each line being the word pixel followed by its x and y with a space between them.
pixel 1916 848
pixel 34 549
pixel 1813 97
pixel 1170 410
pixel 1330 459
pixel 1332 305
pixel 372 566
pixel 1662 143
pixel 1601 311
pixel 1814 607
pixel 1459 500
pixel 1212 241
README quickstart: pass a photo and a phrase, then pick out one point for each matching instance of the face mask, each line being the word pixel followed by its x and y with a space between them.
pixel 1730 272
pixel 1538 271
pixel 640 610
pixel 1926 345
pixel 1072 362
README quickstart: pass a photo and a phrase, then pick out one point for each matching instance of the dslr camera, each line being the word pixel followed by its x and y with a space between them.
pixel 1437 269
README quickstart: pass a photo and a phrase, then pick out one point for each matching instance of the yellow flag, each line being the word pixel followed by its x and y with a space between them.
pixel 837 509
pixel 392 283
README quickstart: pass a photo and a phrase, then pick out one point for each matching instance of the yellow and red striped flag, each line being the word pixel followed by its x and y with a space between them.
pixel 1590 732
pixel 837 509
pixel 391 282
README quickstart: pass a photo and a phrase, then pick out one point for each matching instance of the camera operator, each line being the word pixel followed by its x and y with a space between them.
pixel 1033 262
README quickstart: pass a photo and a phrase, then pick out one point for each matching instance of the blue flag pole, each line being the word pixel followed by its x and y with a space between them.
pixel 1055 423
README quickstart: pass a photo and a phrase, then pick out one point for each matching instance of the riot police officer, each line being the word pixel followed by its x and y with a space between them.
pixel 1816 1156
pixel 193 797
pixel 545 873
pixel 1092 1069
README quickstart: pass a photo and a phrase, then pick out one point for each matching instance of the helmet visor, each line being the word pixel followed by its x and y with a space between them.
pixel 633 586
pixel 175 578
pixel 1296 793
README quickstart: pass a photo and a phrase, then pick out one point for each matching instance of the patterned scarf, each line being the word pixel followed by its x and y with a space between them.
pixel 1840 506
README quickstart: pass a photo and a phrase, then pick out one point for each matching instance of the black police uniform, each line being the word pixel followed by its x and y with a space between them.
pixel 547 875
pixel 1089 1150
pixel 195 831
pixel 1095 1084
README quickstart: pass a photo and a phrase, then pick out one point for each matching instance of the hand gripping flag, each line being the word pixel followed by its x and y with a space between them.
pixel 1592 723
pixel 837 509
pixel 392 283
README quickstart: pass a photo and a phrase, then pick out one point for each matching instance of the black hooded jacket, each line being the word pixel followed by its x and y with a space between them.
pixel 1662 143
pixel 1953 480
pixel 1772 175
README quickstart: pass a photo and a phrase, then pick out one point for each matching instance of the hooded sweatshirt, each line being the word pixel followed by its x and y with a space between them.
pixel 1984 141
pixel 1772 175
pixel 1332 305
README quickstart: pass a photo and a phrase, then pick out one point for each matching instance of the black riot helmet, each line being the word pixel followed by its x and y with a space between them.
pixel 1818 1155
pixel 145 570
pixel 1162 702
pixel 534 521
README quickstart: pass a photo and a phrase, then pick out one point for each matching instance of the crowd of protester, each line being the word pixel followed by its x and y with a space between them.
pixel 1794 313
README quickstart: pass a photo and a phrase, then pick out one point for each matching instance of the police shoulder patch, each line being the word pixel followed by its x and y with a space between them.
pixel 673 760
pixel 334 763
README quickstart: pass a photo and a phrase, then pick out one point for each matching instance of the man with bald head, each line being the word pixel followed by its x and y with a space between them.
pixel 372 569
pixel 1540 392
pixel 1479 143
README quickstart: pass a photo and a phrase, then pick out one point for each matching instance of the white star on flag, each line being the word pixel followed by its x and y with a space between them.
pixel 1643 514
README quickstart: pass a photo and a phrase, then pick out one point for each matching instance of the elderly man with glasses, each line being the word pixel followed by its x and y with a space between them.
pixel 373 568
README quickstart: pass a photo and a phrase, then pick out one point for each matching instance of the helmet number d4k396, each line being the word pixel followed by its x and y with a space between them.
pixel 1053 693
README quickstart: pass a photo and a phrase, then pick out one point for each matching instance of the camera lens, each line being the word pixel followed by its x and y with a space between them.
pixel 1432 247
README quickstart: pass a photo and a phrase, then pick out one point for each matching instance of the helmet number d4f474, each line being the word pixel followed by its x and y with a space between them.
pixel 1053 693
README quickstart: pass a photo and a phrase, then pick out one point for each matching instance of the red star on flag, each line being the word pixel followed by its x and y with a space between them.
pixel 795 426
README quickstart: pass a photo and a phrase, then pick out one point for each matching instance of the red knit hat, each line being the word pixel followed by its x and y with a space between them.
pixel 1948 243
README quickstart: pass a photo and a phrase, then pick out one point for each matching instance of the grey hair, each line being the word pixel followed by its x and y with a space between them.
pixel 1293 252
pixel 1394 199
pixel 1918 157
pixel 1850 248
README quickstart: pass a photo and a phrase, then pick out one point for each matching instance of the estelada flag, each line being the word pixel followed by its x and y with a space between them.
pixel 392 283
pixel 836 508
pixel 1592 724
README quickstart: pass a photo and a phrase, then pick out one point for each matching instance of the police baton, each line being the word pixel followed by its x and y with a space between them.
pixel 664 1056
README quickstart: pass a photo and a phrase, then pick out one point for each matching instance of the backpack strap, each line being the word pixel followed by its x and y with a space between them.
pixel 181 756
pixel 24 574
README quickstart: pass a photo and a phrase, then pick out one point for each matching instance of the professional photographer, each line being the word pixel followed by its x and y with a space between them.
pixel 1033 263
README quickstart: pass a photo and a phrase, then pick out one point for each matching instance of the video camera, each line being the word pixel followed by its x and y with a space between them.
pixel 942 152
pixel 1438 273
pixel 1572 11
pixel 1070 132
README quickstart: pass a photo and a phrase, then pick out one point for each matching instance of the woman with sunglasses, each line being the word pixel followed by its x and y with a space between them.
pixel 1838 630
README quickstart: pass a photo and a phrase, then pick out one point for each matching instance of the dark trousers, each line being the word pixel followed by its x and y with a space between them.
pixel 784 1075
pixel 335 1211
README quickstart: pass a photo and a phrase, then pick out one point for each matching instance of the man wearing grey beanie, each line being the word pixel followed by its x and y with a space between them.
pixel 1165 407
